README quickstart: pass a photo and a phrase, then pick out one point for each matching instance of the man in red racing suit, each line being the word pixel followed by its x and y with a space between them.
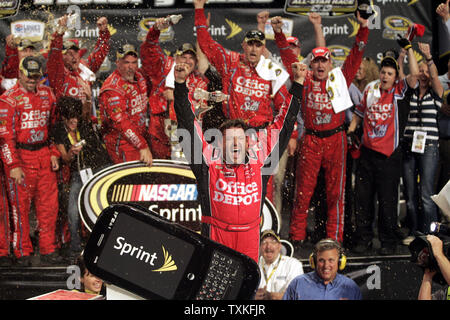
pixel 324 142
pixel 67 74
pixel 26 112
pixel 253 94
pixel 124 110
pixel 159 68
pixel 231 178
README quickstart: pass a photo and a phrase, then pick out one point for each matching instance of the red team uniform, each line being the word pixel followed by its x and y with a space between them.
pixel 24 131
pixel 69 83
pixel 124 114
pixel 381 122
pixel 231 195
pixel 157 66
pixel 5 233
pixel 250 95
pixel 324 143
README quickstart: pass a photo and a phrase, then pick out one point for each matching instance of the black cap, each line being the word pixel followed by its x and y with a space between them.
pixel 186 47
pixel 365 8
pixel 25 43
pixel 31 66
pixel 125 50
pixel 255 35
pixel 70 44
pixel 270 233
pixel 390 62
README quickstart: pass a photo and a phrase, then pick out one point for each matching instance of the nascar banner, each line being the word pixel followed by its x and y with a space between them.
pixel 167 188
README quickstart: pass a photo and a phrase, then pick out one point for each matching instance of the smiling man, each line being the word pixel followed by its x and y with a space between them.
pixel 27 111
pixel 124 110
pixel 252 82
pixel 324 143
pixel 324 283
pixel 68 75
pixel 277 270
pixel 158 68
pixel 230 178
pixel 380 163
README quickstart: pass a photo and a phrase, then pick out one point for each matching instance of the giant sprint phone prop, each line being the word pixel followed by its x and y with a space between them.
pixel 146 254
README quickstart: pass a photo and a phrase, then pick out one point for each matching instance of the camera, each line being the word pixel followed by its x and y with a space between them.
pixel 422 252
pixel 80 143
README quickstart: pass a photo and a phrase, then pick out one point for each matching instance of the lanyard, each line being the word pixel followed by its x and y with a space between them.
pixel 71 139
pixel 273 271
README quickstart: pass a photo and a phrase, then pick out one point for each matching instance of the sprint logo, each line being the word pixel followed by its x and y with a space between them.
pixel 230 31
pixel 92 32
pixel 150 258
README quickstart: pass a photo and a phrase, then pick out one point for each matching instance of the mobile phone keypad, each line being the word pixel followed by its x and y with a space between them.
pixel 223 273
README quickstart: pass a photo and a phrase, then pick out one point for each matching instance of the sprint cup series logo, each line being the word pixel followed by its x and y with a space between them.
pixel 167 187
pixel 9 8
pixel 395 25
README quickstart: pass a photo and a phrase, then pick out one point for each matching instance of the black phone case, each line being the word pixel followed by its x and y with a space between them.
pixel 189 266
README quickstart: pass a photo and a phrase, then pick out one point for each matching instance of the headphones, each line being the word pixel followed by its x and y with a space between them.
pixel 328 244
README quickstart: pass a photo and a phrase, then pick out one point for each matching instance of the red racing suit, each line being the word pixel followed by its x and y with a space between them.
pixel 10 65
pixel 69 83
pixel 324 143
pixel 231 196
pixel 157 67
pixel 5 231
pixel 250 95
pixel 124 114
pixel 25 120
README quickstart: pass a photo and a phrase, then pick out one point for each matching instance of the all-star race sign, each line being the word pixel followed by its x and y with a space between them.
pixel 331 7
pixel 167 187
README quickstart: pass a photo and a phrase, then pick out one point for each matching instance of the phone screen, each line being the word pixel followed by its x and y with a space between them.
pixel 145 256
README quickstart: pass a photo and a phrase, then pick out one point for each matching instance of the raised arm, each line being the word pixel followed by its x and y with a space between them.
pixel 191 135
pixel 413 75
pixel 316 21
pixel 10 65
pixel 435 83
pixel 153 57
pixel 102 46
pixel 284 122
pixel 353 60
pixel 55 63
pixel 217 55
pixel 288 57
pixel 401 61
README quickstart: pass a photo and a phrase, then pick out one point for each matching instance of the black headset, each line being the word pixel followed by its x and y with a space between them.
pixel 334 245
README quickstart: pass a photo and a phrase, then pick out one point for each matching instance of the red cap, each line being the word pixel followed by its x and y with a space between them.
pixel 294 41
pixel 321 52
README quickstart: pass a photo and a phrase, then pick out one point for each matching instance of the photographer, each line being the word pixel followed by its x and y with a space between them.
pixel 444 267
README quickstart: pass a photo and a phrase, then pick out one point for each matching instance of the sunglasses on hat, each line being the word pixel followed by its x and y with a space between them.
pixel 126 49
